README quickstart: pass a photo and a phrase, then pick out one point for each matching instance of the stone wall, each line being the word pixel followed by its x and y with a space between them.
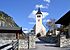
pixel 32 41
pixel 64 42
pixel 27 43
pixel 23 44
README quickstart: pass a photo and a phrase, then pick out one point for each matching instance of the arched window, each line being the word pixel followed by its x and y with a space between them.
pixel 38 35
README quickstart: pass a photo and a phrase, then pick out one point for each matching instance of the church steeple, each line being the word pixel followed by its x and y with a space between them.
pixel 39 11
pixel 39 29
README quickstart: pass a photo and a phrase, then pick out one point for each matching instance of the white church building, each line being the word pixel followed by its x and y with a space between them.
pixel 39 28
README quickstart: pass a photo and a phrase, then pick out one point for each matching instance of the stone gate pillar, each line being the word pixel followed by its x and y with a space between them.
pixel 31 41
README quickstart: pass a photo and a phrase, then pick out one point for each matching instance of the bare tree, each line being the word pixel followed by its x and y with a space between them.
pixel 51 25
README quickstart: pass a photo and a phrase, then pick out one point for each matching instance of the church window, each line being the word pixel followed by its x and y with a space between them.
pixel 38 16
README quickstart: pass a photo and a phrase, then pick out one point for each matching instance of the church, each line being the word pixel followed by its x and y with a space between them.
pixel 39 28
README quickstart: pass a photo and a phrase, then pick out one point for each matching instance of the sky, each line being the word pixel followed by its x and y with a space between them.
pixel 23 11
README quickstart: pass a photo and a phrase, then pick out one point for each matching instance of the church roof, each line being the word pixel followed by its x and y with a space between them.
pixel 39 11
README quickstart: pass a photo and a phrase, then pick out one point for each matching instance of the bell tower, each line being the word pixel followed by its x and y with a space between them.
pixel 39 18
pixel 39 25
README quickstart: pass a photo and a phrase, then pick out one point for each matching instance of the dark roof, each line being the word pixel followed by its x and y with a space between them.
pixel 65 19
pixel 10 30
pixel 39 11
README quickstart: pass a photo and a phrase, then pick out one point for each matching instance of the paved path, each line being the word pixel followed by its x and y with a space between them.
pixel 46 46
pixel 49 48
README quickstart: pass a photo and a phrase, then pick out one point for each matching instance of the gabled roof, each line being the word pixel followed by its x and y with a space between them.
pixel 65 19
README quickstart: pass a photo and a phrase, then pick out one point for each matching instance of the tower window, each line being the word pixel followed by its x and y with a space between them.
pixel 38 16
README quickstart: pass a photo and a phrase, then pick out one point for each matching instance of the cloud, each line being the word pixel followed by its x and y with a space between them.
pixel 31 22
pixel 26 31
pixel 44 20
pixel 45 14
pixel 24 28
pixel 47 1
pixel 33 16
pixel 42 6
